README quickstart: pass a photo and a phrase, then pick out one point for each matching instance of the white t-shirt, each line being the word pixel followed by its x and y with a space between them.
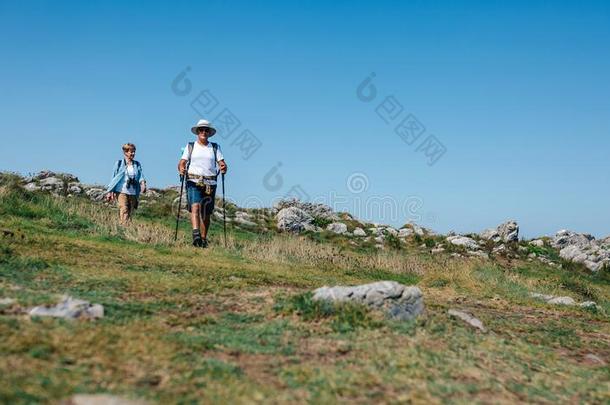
pixel 202 160
pixel 130 171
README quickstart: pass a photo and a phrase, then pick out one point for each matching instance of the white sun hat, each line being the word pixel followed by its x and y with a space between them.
pixel 203 124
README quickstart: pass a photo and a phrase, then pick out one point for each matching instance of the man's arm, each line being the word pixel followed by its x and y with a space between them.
pixel 182 167
pixel 223 166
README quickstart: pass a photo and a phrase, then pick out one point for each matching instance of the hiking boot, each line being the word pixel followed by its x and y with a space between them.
pixel 204 243
pixel 197 241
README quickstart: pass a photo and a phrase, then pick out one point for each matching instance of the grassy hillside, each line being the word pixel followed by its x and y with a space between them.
pixel 187 325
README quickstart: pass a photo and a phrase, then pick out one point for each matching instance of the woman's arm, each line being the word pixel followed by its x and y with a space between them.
pixel 109 191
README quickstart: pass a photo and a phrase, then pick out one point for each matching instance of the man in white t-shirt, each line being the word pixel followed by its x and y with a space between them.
pixel 201 162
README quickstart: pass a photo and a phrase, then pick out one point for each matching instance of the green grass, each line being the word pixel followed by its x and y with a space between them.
pixel 185 326
pixel 345 317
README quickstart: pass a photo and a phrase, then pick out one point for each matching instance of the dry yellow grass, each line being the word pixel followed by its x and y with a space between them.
pixel 290 249
pixel 107 222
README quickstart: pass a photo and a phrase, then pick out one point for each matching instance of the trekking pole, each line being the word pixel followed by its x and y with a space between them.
pixel 224 210
pixel 180 206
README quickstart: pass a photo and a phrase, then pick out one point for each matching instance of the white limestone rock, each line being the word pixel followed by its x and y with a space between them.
pixel 397 300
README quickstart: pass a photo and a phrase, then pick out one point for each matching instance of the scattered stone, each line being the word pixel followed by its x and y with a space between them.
pixel 562 301
pixel 337 227
pixel 74 189
pixel 437 250
pixel 7 301
pixel 152 193
pixel 359 232
pixel 243 214
pixel 70 308
pixel 217 214
pixel 537 242
pixel 376 231
pixel 499 249
pixel 506 232
pixel 548 262
pixel 465 241
pixel 400 302
pixel 321 211
pixel 391 231
pixel 243 221
pixel 468 318
pixel 418 230
pixel 96 193
pixel 32 187
pixel 312 228
pixel 47 173
pixel 293 219
pixel 101 399
pixel 405 232
pixel 551 299
pixel 243 218
pixel 478 253
pixel 52 184
pixel 544 297
pixel 594 359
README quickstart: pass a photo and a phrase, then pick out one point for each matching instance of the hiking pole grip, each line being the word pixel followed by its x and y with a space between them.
pixel 179 207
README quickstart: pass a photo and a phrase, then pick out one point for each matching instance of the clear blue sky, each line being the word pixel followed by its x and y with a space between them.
pixel 517 92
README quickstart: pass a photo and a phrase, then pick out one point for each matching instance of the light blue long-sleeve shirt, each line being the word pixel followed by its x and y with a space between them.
pixel 118 172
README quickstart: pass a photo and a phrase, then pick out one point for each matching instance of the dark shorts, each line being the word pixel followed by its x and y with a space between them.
pixel 197 195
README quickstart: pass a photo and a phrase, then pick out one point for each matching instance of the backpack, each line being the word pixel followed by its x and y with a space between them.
pixel 191 145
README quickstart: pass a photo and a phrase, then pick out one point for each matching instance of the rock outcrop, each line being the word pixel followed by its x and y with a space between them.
pixel 337 227
pixel 293 219
pixel 359 232
pixel 320 211
pixel 582 248
pixel 465 241
pixel 506 232
pixel 297 216
pixel 243 218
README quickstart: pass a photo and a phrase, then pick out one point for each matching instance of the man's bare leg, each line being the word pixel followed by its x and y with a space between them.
pixel 205 226
pixel 195 217
pixel 196 223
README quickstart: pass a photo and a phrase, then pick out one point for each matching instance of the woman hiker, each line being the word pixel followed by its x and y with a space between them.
pixel 201 162
pixel 127 183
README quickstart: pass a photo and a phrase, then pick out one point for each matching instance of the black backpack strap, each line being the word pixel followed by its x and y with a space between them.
pixel 215 148
pixel 189 147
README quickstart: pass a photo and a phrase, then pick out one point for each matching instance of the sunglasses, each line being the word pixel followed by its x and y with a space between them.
pixel 203 129
pixel 129 151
